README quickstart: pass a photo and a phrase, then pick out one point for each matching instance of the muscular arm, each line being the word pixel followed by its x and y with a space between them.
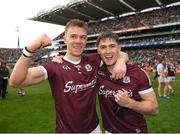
pixel 22 75
pixel 148 105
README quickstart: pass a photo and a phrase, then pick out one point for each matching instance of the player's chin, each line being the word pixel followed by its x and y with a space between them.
pixel 108 62
pixel 78 54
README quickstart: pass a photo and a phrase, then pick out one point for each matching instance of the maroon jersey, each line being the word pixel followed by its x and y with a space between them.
pixel 74 92
pixel 115 118
pixel 171 70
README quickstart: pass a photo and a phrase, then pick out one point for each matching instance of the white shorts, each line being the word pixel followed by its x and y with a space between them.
pixel 97 130
pixel 171 79
pixel 162 79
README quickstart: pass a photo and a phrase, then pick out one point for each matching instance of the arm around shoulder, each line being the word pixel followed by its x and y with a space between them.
pixel 123 56
pixel 120 68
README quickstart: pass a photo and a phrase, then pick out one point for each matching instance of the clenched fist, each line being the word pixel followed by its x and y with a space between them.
pixel 39 43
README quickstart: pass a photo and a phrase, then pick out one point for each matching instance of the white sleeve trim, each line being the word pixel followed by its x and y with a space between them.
pixel 146 91
pixel 45 72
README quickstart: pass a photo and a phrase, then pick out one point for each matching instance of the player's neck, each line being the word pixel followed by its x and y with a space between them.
pixel 110 68
pixel 72 59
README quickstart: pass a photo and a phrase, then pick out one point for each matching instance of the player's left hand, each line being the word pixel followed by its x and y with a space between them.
pixel 119 70
pixel 122 98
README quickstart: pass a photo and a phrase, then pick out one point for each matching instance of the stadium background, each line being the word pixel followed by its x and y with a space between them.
pixel 146 35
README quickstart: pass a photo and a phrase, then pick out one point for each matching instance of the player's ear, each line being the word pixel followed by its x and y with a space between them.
pixel 120 47
pixel 64 38
pixel 98 50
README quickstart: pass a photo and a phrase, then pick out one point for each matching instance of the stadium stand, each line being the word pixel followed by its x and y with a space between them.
pixel 145 34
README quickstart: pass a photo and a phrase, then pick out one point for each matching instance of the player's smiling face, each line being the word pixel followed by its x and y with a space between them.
pixel 75 39
pixel 109 51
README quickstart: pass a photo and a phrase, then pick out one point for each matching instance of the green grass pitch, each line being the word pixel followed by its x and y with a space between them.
pixel 34 113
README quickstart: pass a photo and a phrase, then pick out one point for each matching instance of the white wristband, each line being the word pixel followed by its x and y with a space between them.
pixel 27 53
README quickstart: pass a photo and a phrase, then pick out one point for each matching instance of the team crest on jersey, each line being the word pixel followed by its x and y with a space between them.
pixel 88 67
pixel 66 67
pixel 126 79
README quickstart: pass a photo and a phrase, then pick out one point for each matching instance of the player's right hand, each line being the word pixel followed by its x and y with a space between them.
pixel 39 43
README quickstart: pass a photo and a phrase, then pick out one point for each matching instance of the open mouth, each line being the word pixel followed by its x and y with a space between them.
pixel 78 48
pixel 108 57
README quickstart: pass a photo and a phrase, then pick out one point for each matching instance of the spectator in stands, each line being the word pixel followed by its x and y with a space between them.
pixel 4 76
pixel 73 83
pixel 123 102
pixel 146 19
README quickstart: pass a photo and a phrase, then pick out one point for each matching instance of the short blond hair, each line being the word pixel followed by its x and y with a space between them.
pixel 76 22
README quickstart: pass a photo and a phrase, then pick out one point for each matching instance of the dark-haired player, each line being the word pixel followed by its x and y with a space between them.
pixel 123 102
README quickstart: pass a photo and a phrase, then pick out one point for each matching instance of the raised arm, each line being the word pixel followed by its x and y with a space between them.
pixel 22 75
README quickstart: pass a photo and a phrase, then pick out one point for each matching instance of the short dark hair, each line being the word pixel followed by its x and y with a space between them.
pixel 76 22
pixel 107 34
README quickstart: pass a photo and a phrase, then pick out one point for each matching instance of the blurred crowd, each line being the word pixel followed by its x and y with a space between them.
pixel 138 56
pixel 151 39
pixel 11 55
pixel 152 55
pixel 155 17
pixel 163 16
